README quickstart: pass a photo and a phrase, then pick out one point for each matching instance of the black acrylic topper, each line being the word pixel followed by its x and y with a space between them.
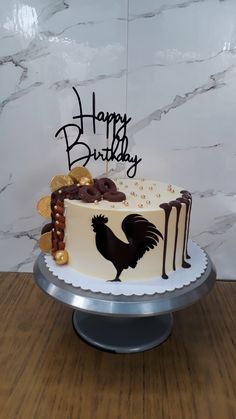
pixel 118 150
pixel 141 235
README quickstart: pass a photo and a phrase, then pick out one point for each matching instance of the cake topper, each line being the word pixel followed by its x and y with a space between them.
pixel 116 129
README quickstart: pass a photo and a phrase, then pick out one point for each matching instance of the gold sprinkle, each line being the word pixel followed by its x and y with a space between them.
pixel 132 193
pixel 126 204
pixel 140 205
pixel 150 188
pixel 141 188
pixel 143 196
pixel 158 195
pixel 169 188
pixel 96 202
pixel 172 190
pixel 148 202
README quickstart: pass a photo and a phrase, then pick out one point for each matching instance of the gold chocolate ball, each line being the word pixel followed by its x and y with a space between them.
pixel 78 172
pixel 61 257
pixel 84 180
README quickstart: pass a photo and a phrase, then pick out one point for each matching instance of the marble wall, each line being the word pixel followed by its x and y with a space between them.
pixel 170 64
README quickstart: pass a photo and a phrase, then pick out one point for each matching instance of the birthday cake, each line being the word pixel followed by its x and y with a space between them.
pixel 116 229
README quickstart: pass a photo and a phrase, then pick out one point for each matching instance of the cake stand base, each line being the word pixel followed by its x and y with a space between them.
pixel 122 335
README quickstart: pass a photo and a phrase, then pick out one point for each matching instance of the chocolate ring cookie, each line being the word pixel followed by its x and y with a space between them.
pixel 89 194
pixel 114 196
pixel 105 185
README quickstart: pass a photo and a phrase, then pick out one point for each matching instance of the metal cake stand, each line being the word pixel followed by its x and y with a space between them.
pixel 123 324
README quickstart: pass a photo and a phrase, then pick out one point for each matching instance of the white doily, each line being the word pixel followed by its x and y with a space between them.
pixel 158 285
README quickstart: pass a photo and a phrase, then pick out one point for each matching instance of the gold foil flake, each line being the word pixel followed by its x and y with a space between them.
pixel 45 242
pixel 140 205
pixel 44 206
pixel 59 181
pixel 143 196
pixel 148 202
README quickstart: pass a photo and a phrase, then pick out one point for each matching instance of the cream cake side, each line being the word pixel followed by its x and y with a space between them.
pixel 116 230
pixel 166 211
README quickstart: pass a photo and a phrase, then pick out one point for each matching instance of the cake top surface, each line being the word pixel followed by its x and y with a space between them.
pixel 140 194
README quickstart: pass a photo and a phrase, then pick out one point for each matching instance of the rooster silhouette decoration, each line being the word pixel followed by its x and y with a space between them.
pixel 141 235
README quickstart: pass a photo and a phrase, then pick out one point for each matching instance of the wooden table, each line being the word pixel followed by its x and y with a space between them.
pixel 47 372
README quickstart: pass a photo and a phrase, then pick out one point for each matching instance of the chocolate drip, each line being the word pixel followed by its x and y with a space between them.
pixel 186 202
pixel 167 209
pixel 177 205
pixel 188 196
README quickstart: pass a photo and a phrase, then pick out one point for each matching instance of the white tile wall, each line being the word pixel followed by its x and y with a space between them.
pixel 170 64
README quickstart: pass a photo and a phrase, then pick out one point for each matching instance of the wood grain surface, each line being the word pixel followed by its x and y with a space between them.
pixel 46 371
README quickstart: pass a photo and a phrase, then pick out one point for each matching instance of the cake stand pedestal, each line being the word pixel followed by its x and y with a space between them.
pixel 123 324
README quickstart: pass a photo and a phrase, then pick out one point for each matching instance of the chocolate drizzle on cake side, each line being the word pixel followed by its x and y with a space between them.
pixel 167 210
pixel 178 206
pixel 184 201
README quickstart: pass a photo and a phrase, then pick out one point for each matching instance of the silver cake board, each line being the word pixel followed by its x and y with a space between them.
pixel 123 324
